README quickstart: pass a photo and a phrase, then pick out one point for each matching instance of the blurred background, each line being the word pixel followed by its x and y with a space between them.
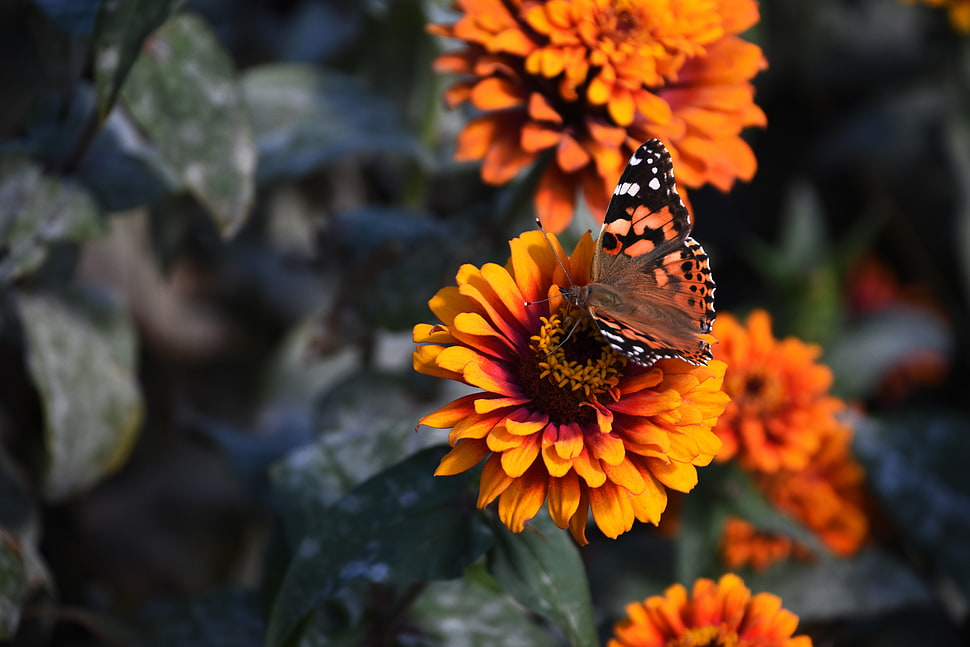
pixel 208 279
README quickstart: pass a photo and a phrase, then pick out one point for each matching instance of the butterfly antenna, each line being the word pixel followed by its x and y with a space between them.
pixel 558 260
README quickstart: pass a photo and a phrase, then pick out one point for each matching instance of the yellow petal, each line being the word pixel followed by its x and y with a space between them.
pixel 466 455
pixel 521 501
pixel 564 496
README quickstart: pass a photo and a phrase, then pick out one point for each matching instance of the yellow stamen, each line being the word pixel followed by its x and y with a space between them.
pixel 576 364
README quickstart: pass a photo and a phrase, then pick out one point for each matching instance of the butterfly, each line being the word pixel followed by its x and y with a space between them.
pixel 650 293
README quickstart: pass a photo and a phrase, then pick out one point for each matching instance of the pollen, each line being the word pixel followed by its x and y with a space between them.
pixel 572 358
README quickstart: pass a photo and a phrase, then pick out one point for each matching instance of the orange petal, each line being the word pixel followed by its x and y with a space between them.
pixel 677 476
pixel 621 107
pixel 564 496
pixel 590 469
pixel 517 460
pixel 452 413
pixel 466 455
pixel 434 334
pixel 625 475
pixel 555 199
pixel 606 447
pixel 521 500
pixel 496 94
pixel 541 110
pixel 569 441
pixel 536 137
pixel 612 510
pixel 570 155
pixel 424 361
pixel 494 481
pixel 651 502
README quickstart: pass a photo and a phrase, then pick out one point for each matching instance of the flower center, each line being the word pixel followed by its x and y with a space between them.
pixel 570 365
pixel 706 637
pixel 759 393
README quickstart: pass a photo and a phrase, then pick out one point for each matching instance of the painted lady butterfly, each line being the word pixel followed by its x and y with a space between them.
pixel 650 292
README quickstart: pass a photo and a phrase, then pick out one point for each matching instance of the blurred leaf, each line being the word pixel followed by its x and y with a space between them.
pixel 475 612
pixel 182 91
pixel 863 355
pixel 390 253
pixel 723 491
pixel 35 213
pixel 356 441
pixel 801 265
pixel 122 169
pixel 13 585
pixel 916 465
pixel 81 356
pixel 304 117
pixel 122 27
pixel 75 16
pixel 403 525
pixel 870 583
pixel 234 616
pixel 541 567
pixel 20 528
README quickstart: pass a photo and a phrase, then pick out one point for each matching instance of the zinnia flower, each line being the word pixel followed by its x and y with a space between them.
pixel 588 80
pixel 561 418
pixel 716 614
pixel 742 544
pixel 785 428
pixel 780 405
pixel 828 498
pixel 959 11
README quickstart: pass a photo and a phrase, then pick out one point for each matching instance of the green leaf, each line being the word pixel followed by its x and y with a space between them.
pixel 121 28
pixel 183 92
pixel 81 356
pixel 303 117
pixel 13 585
pixel 403 525
pixel 916 465
pixel 475 612
pixel 356 441
pixel 541 568
pixel 37 212
pixel 871 583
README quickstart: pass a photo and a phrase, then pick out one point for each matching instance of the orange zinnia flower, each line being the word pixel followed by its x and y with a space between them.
pixel 959 12
pixel 780 405
pixel 742 544
pixel 561 417
pixel 784 427
pixel 588 80
pixel 721 613
pixel 828 498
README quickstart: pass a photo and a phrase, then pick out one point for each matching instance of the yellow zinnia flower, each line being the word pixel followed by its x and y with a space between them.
pixel 561 418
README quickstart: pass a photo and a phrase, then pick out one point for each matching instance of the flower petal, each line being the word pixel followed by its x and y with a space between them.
pixel 464 456
pixel 564 496
pixel 522 500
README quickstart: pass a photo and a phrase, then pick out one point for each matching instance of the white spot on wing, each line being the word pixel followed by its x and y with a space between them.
pixel 654 184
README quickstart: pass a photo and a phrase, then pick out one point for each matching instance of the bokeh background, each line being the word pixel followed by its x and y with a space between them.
pixel 210 268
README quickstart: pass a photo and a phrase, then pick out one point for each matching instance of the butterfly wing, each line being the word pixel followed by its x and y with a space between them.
pixel 662 291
